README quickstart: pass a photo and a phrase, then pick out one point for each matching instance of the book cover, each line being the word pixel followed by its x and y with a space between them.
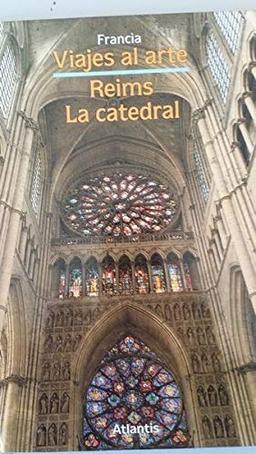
pixel 128 272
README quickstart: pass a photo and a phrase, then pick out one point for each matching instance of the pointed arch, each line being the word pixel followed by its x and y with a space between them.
pixel 147 326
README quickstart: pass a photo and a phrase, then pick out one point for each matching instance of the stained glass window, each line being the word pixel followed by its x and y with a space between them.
pixel 119 204
pixel 8 79
pixel 125 276
pixel 133 401
pixel 141 275
pixel 200 176
pixel 36 185
pixel 60 270
pixel 92 277
pixel 75 278
pixel 174 273
pixel 229 23
pixel 190 271
pixel 109 286
pixel 218 65
pixel 158 276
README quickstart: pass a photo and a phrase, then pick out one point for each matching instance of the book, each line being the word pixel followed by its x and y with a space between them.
pixel 127 280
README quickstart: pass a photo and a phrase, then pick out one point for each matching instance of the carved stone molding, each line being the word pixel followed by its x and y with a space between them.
pixel 29 122
pixel 13 378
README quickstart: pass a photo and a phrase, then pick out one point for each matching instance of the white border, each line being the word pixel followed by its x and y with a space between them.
pixel 53 9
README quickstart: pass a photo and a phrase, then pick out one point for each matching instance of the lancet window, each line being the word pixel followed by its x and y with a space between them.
pixel 229 23
pixel 174 268
pixel 141 275
pixel 37 182
pixel 218 65
pixel 133 387
pixel 158 275
pixel 75 278
pixel 8 78
pixel 200 176
pixel 125 276
pixel 109 281
pixel 91 277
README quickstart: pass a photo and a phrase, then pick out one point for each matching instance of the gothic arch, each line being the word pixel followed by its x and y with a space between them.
pixel 17 330
pixel 140 322
pixel 241 313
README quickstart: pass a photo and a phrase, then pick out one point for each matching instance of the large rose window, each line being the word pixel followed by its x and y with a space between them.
pixel 133 401
pixel 118 204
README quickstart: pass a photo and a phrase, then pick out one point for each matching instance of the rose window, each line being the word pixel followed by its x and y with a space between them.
pixel 133 401
pixel 119 204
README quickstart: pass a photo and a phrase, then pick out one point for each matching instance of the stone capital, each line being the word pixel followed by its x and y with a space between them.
pixel 13 378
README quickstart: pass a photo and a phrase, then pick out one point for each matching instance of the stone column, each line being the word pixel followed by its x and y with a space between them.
pixel 12 412
pixel 150 282
pixel 225 200
pixel 83 279
pixel 117 277
pixel 166 273
pixel 67 281
pixel 16 213
pixel 183 277
pixel 23 241
pixel 133 277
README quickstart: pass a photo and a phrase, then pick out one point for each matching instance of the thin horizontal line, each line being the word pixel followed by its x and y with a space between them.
pixel 122 72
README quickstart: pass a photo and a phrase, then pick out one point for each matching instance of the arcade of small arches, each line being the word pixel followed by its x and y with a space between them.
pixel 157 274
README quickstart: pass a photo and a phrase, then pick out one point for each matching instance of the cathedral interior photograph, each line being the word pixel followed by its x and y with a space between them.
pixel 128 232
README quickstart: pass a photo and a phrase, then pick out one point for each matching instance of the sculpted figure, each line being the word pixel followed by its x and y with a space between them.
pixel 201 336
pixel 68 318
pixel 66 371
pixel 223 395
pixel 196 364
pixel 210 336
pixel 212 395
pixel 63 438
pixel 43 404
pixel 177 313
pixel 206 364
pixel 46 371
pixel 50 320
pixel 230 427
pixel 48 343
pixel 56 371
pixel 207 428
pixel 68 343
pixel 218 427
pixel 54 403
pixel 41 436
pixel 196 311
pixel 52 435
pixel 201 396
pixel 77 341
pixel 59 345
pixel 191 337
pixel 216 363
pixel 64 403
pixel 186 312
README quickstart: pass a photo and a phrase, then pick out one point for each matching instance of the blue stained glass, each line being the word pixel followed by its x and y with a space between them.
pixel 133 388
pixel 95 408
pixel 167 419
pixel 96 394
pixel 168 391
pixel 162 378
pixel 101 381
pixel 138 365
